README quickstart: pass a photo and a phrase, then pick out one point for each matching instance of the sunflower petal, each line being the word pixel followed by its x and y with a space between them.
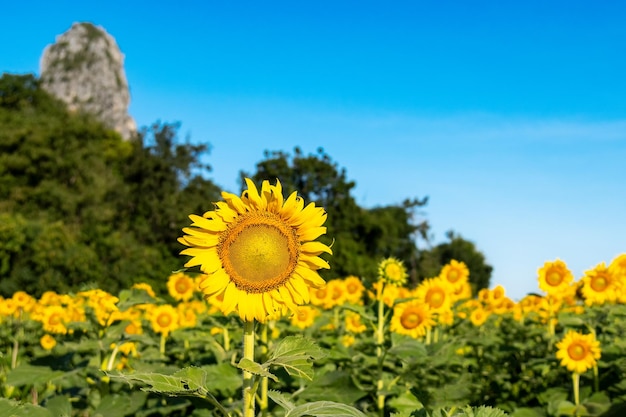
pixel 315 248
pixel 311 233
pixel 314 261
pixel 213 224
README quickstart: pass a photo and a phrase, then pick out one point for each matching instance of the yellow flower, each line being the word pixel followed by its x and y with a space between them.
pixel 578 352
pixel 145 287
pixel 599 285
pixel 461 292
pixel 164 319
pixel 305 317
pixel 479 316
pixel 390 293
pixel 412 318
pixel 354 289
pixel 258 251
pixel 392 271
pixel 353 323
pixel 180 286
pixel 618 266
pixel 54 319
pixel 321 297
pixel 455 273
pixel 47 342
pixel 187 316
pixel 555 277
pixel 348 340
pixel 23 301
pixel 337 290
pixel 436 293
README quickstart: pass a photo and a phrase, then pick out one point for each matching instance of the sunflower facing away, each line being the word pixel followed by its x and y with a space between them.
pixel 392 271
pixel 258 251
pixel 578 352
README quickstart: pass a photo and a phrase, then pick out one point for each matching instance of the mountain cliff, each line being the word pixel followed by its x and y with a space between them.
pixel 85 69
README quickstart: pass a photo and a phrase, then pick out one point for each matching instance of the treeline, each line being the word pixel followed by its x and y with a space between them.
pixel 79 206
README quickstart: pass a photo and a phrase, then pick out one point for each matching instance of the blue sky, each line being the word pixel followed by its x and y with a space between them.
pixel 511 118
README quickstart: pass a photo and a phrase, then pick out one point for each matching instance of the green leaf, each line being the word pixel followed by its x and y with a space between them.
pixel 281 399
pixel 295 354
pixel 223 378
pixel 484 411
pixel 324 408
pixel 133 297
pixel 528 412
pixel 28 375
pixel 409 350
pixel 156 382
pixel 194 377
pixel 334 386
pixel 9 408
pixel 405 403
pixel 113 406
pixel 255 368
pixel 59 406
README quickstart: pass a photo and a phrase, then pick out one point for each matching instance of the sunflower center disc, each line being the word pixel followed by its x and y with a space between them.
pixel 181 287
pixel 410 320
pixel 260 252
pixel 435 298
pixel 554 279
pixel 393 271
pixel 599 284
pixel 453 276
pixel 54 319
pixel 164 320
pixel 576 351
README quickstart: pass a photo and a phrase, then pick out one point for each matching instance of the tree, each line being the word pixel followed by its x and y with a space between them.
pixel 359 237
pixel 432 260
pixel 78 204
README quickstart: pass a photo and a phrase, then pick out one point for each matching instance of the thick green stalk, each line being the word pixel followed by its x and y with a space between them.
pixel 380 340
pixel 264 402
pixel 576 380
pixel 162 344
pixel 248 378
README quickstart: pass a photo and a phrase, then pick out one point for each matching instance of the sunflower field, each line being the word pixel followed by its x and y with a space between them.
pixel 255 331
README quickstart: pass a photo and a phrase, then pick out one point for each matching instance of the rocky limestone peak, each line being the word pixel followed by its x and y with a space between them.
pixel 85 69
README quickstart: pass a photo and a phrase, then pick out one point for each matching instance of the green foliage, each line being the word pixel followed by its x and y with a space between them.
pixel 80 205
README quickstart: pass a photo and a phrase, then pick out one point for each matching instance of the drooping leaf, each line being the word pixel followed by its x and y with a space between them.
pixel 281 399
pixel 323 409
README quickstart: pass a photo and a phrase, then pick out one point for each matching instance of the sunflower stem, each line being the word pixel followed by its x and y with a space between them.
pixel 162 344
pixel 226 338
pixel 576 381
pixel 263 401
pixel 112 358
pixel 596 379
pixel 248 378
pixel 380 340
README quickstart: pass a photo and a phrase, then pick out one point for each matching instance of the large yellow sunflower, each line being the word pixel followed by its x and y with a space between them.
pixel 455 273
pixel 578 352
pixel 599 285
pixel 554 277
pixel 412 318
pixel 436 293
pixel 258 251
